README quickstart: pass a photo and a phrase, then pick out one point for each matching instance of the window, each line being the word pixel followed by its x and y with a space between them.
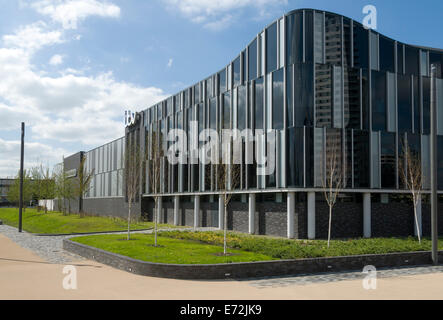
pixel 259 99
pixel 361 46
pixel 241 109
pixel 222 81
pixel 424 63
pixel 333 40
pixel 364 78
pixel 309 36
pixel 417 107
pixel 391 104
pixel 278 100
pixel 361 159
pixel 209 88
pixel 303 93
pixel 294 38
pixel 319 38
pixel 374 51
pixel 351 98
pixel 271 48
pixel 323 95
pixel 213 113
pixel 404 95
pixel 426 105
pixel 337 97
pixel 295 155
pixel 289 97
pixel 226 117
pixel 378 101
pixel 347 42
pixel 437 60
pixel 411 60
pixel 387 56
pixel 252 60
pixel 400 58
pixel 237 77
pixel 388 161
pixel 375 159
pixel 319 156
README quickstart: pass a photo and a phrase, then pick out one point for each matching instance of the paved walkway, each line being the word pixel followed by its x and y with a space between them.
pixel 32 268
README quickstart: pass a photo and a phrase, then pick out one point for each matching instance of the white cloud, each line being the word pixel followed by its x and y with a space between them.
pixel 217 15
pixel 56 60
pixel 170 62
pixel 70 12
pixel 33 37
pixel 35 154
pixel 81 111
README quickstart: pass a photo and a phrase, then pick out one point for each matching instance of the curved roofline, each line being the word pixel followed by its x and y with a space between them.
pixel 275 21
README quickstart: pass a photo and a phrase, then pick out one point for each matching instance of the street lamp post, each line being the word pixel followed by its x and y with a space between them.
pixel 434 200
pixel 20 202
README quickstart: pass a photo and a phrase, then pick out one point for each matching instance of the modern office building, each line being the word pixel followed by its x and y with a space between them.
pixel 320 85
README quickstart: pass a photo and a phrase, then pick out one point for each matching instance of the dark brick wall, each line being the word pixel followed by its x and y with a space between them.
pixel 114 207
pixel 272 218
pixel 394 219
pixel 426 219
pixel 347 220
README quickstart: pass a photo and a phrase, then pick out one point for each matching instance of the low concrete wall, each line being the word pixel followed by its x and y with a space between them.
pixel 248 270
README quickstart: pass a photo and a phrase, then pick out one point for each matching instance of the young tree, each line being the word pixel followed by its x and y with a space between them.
pixel 412 178
pixel 155 155
pixel 133 162
pixel 83 183
pixel 334 178
pixel 64 188
pixel 42 183
pixel 37 183
pixel 228 178
pixel 14 190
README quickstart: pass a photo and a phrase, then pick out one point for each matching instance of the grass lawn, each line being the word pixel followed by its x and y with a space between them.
pixel 279 248
pixel 200 247
pixel 56 222
pixel 171 250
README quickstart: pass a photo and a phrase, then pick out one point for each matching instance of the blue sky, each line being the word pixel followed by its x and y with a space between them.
pixel 70 68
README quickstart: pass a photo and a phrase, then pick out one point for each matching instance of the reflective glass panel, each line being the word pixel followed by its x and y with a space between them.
pixel 236 66
pixel 294 38
pixel 404 95
pixel 387 56
pixel 252 60
pixel 303 94
pixel 271 48
pixel 278 99
pixel 361 46
pixel 378 101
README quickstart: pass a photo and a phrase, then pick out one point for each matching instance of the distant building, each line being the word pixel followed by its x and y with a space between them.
pixel 5 184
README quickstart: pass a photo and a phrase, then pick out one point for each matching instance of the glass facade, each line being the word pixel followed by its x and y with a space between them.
pixel 107 165
pixel 316 77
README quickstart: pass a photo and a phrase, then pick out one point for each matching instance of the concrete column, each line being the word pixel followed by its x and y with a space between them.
pixel 176 210
pixel 196 211
pixel 251 213
pixel 419 218
pixel 159 210
pixel 291 214
pixel 367 229
pixel 221 212
pixel 311 215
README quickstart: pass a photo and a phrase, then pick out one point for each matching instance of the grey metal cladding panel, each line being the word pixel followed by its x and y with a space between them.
pixel 72 162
